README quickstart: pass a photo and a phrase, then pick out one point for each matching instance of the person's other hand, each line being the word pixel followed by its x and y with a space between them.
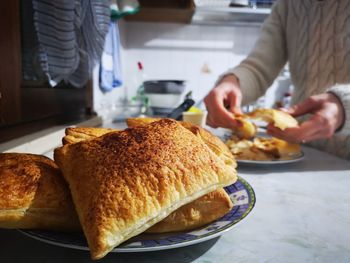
pixel 223 102
pixel 327 115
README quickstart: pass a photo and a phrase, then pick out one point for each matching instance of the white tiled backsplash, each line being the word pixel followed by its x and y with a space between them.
pixel 178 51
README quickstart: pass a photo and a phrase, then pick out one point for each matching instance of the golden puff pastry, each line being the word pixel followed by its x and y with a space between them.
pixel 78 134
pixel 218 201
pixel 279 119
pixel 33 194
pixel 125 182
pixel 133 122
pixel 213 142
pixel 198 213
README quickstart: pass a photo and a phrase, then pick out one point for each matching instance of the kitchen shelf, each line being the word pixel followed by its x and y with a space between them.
pixel 230 16
pixel 168 11
pixel 235 10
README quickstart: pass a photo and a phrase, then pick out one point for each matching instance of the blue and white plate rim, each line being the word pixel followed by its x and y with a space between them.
pixel 248 192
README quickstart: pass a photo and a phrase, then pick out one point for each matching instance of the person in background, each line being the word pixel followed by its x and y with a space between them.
pixel 314 37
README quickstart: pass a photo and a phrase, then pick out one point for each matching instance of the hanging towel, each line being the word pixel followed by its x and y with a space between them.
pixel 110 68
pixel 70 35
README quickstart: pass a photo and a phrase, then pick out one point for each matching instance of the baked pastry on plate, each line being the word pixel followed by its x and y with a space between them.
pixel 199 212
pixel 33 194
pixel 124 182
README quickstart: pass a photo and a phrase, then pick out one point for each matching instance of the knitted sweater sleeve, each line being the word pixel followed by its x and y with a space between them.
pixel 258 71
pixel 343 94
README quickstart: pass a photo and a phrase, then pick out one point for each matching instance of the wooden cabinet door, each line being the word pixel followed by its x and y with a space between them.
pixel 10 59
pixel 29 106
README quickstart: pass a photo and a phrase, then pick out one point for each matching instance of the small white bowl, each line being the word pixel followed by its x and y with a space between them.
pixel 163 100
pixel 197 118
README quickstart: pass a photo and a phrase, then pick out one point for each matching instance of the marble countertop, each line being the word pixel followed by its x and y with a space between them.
pixel 302 214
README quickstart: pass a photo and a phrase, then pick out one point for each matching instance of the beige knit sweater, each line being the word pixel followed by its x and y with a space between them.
pixel 314 37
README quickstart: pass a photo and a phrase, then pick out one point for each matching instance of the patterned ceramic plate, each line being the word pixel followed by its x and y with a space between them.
pixel 241 194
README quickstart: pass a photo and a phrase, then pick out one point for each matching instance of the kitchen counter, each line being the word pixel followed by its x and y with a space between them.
pixel 302 214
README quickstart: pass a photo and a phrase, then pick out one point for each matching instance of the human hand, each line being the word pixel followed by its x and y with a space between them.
pixel 327 115
pixel 223 102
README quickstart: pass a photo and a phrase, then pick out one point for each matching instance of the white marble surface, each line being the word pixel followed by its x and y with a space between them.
pixel 302 214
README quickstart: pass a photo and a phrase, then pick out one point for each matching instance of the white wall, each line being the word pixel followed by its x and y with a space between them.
pixel 177 51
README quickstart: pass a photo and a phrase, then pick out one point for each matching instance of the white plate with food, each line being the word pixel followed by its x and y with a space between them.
pixel 241 194
pixel 264 150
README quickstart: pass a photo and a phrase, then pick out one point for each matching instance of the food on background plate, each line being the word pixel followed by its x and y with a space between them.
pixel 262 148
pixel 124 182
pixel 33 194
pixel 279 149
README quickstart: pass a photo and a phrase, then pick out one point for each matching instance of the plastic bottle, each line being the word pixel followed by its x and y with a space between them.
pixel 140 98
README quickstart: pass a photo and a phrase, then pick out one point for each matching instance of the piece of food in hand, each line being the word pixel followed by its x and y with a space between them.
pixel 279 119
pixel 124 182
pixel 198 213
pixel 246 130
pixel 33 194
pixel 78 134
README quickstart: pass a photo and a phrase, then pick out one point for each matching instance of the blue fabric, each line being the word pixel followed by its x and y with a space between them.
pixel 110 69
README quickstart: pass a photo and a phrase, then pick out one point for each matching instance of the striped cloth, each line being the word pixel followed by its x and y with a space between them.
pixel 70 36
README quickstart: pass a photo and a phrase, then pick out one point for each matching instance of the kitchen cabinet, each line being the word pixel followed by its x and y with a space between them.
pixel 185 11
pixel 171 11
pixel 29 106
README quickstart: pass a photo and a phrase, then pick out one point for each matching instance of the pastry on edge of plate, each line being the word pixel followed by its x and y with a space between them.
pixel 124 182
pixel 196 213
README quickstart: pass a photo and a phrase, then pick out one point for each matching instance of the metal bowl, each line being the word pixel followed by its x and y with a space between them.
pixel 164 86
